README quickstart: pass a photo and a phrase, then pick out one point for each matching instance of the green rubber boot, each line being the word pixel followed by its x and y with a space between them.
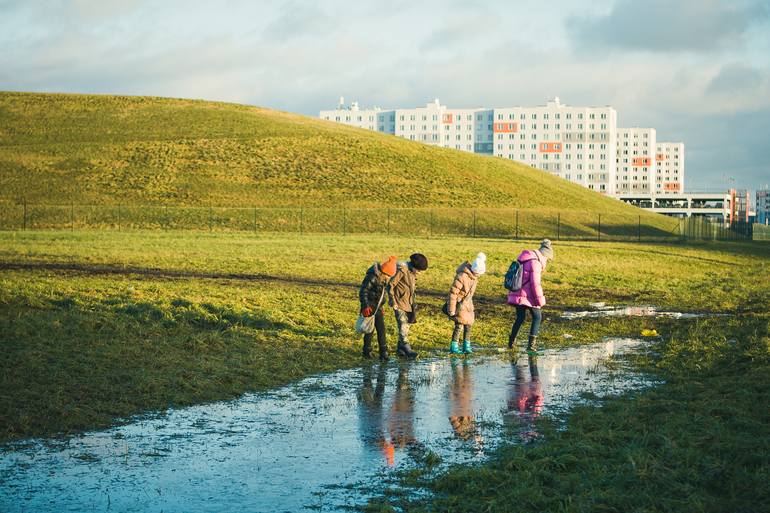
pixel 467 347
pixel 454 349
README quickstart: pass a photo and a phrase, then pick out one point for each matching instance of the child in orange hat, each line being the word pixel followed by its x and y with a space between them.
pixel 372 296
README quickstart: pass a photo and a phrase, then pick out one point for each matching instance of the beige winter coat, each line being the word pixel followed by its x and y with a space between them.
pixel 460 300
pixel 401 289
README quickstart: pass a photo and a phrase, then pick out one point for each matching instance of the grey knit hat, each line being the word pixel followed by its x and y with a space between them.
pixel 545 249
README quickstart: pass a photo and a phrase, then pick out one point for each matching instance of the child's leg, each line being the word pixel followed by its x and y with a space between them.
pixel 456 332
pixel 379 326
pixel 520 313
pixel 467 332
pixel 402 320
pixel 537 318
pixel 368 344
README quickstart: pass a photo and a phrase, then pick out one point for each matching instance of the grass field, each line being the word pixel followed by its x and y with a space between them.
pixel 97 326
pixel 88 154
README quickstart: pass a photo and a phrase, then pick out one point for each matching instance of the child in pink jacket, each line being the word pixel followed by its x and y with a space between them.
pixel 530 296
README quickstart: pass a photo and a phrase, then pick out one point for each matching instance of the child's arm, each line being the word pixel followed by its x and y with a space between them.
pixel 454 296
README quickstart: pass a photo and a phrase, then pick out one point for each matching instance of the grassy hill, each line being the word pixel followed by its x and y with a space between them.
pixel 87 149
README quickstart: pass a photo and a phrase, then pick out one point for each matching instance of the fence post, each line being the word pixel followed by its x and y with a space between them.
pixel 344 221
pixel 388 223
pixel 599 229
pixel 639 229
pixel 210 228
pixel 165 207
pixel 24 222
pixel 474 223
pixel 118 216
pixel 558 226
pixel 517 225
pixel 431 222
pixel 72 216
pixel 255 219
pixel 301 219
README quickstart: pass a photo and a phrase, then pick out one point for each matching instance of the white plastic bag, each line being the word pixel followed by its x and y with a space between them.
pixel 365 325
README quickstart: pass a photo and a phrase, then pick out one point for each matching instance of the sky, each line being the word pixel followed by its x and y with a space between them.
pixel 696 70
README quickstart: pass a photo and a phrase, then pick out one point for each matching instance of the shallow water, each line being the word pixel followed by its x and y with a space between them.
pixel 321 444
pixel 600 310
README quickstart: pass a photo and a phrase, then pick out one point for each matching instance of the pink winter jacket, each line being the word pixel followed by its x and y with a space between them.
pixel 531 292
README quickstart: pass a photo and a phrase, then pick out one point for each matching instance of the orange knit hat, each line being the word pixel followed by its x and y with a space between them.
pixel 389 267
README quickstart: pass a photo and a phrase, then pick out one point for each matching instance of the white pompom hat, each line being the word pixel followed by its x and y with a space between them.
pixel 479 265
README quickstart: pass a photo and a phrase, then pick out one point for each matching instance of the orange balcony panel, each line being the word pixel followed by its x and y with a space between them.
pixel 551 147
pixel 660 157
pixel 447 119
pixel 672 186
pixel 505 128
pixel 642 162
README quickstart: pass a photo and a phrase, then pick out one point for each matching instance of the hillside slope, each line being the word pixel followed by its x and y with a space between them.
pixel 109 149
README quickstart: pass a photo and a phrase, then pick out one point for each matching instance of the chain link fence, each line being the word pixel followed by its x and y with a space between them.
pixel 461 222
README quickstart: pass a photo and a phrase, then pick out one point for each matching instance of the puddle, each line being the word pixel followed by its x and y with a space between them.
pixel 600 310
pixel 322 444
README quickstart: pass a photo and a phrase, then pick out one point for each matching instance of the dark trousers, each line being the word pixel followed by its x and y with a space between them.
pixel 521 312
pixel 379 327
pixel 465 328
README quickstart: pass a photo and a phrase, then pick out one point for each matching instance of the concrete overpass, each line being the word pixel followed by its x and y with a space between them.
pixel 713 206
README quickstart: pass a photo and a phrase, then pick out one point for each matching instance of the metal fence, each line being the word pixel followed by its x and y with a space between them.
pixel 761 232
pixel 464 222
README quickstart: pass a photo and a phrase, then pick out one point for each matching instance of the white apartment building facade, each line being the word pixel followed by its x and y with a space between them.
pixel 581 144
pixel 574 143
pixel 636 161
pixel 669 163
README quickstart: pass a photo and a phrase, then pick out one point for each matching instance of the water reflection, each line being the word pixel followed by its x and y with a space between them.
pixel 525 397
pixel 461 415
pixel 401 418
pixel 386 430
pixel 316 445
pixel 600 310
pixel 371 426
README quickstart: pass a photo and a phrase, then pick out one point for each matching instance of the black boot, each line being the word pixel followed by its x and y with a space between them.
pixel 511 341
pixel 367 352
pixel 383 347
pixel 405 350
pixel 532 344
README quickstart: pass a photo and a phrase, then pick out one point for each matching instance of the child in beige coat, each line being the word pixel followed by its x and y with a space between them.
pixel 459 305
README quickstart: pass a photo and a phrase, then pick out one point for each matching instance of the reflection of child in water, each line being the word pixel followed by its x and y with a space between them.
pixel 371 428
pixel 401 421
pixel 461 403
pixel 525 398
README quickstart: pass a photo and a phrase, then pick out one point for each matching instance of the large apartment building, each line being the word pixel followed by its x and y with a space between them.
pixel 763 206
pixel 580 144
pixel 669 162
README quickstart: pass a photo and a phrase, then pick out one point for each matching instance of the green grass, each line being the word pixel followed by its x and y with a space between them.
pixel 90 150
pixel 95 326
